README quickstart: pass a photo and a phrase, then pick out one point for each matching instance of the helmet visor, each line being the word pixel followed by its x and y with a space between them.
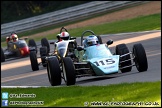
pixel 93 42
pixel 14 38
pixel 64 38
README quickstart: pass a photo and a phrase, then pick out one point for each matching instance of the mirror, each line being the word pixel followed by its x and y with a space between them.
pixel 72 38
pixel 52 42
pixel 25 38
pixel 109 42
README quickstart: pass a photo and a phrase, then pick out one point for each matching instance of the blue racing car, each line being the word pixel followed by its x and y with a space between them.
pixel 96 59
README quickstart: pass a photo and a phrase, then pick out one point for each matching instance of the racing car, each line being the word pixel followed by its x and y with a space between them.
pixel 18 49
pixel 96 60
pixel 60 48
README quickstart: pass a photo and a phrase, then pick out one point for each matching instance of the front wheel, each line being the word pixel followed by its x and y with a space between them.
pixel 140 57
pixel 68 71
pixel 122 49
pixel 54 71
pixel 32 43
pixel 33 60
pixel 43 54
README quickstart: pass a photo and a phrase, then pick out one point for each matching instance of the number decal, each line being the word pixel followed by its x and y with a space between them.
pixel 96 63
pixel 110 61
pixel 104 62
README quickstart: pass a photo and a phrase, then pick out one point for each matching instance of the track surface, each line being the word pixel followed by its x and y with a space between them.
pixel 19 73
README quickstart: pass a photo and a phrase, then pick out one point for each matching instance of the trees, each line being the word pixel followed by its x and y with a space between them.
pixel 17 10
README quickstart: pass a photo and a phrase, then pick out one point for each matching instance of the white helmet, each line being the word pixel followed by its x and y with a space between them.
pixel 64 35
pixel 14 37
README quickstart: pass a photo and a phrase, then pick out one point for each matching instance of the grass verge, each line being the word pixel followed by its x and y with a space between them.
pixel 138 94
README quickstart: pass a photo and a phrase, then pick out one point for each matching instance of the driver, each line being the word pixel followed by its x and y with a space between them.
pixel 14 37
pixel 90 41
pixel 7 39
pixel 63 36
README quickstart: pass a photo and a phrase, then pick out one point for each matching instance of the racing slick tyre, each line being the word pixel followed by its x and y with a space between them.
pixel 140 57
pixel 2 56
pixel 44 42
pixel 122 49
pixel 43 54
pixel 99 39
pixel 68 71
pixel 54 71
pixel 32 43
pixel 33 60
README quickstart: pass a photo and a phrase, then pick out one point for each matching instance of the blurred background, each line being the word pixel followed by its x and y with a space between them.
pixel 17 10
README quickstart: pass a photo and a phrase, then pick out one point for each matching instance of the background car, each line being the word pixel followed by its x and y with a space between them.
pixel 18 49
pixel 61 49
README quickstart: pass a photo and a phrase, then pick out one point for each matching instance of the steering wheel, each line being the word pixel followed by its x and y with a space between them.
pixel 90 31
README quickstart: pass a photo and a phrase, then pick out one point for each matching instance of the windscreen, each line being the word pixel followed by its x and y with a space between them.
pixel 97 51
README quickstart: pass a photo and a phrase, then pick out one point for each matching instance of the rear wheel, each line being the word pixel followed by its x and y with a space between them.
pixel 54 71
pixel 2 56
pixel 68 71
pixel 43 54
pixel 32 43
pixel 33 60
pixel 44 42
pixel 140 57
pixel 122 49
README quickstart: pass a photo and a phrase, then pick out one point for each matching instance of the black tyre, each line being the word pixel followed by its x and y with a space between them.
pixel 44 42
pixel 43 54
pixel 54 71
pixel 140 57
pixel 2 56
pixel 68 71
pixel 99 39
pixel 31 43
pixel 33 60
pixel 122 49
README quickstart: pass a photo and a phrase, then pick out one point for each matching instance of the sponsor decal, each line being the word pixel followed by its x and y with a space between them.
pixel 109 67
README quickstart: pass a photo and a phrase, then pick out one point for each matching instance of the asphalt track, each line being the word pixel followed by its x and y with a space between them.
pixel 19 73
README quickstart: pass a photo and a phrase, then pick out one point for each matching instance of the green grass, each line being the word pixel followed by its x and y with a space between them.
pixel 75 96
pixel 141 23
